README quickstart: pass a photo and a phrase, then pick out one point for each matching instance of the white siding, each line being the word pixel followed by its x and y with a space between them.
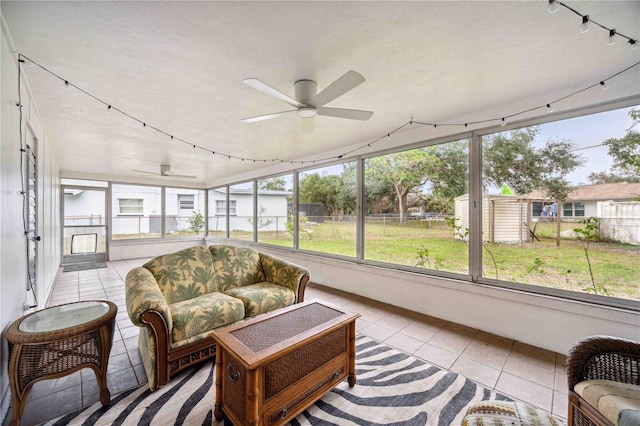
pixel 503 218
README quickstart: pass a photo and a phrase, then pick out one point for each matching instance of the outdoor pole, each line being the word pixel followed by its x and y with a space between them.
pixel 558 216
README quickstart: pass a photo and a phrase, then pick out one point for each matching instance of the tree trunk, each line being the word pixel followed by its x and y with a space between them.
pixel 402 197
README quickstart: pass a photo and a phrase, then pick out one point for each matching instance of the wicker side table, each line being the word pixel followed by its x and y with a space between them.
pixel 58 341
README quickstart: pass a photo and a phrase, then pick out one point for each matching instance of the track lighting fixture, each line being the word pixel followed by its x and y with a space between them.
pixel 604 85
pixel 549 108
pixel 612 38
pixel 553 6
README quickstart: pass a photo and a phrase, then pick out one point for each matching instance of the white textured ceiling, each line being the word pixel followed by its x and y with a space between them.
pixel 179 66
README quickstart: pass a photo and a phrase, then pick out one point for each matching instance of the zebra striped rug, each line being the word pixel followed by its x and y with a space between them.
pixel 393 388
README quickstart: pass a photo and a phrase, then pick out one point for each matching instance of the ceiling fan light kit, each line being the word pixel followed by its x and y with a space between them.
pixel 308 102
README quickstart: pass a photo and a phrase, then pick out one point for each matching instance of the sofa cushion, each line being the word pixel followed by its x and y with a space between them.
pixel 618 402
pixel 236 266
pixel 185 274
pixel 262 297
pixel 207 312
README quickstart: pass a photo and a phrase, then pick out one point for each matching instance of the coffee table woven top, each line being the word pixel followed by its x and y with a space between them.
pixel 264 334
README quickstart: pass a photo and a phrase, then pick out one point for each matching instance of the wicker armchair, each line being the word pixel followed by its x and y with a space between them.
pixel 599 358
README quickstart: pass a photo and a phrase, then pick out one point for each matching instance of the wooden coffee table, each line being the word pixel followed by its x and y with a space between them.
pixel 272 367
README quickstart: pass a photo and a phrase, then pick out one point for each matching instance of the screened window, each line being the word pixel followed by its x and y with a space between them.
pixel 137 211
pixel 275 210
pixel 584 246
pixel 241 205
pixel 327 211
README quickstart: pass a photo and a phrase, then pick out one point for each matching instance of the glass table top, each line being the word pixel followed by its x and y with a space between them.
pixel 63 316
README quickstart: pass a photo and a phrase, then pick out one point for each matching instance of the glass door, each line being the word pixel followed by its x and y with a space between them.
pixel 84 224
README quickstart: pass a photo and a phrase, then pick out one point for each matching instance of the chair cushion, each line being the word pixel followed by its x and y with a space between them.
pixel 236 266
pixel 502 413
pixel 184 274
pixel 201 314
pixel 263 297
pixel 618 402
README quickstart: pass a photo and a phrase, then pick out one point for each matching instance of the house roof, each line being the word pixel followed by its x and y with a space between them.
pixel 597 192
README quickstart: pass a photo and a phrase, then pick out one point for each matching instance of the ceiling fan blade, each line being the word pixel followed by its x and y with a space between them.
pixel 338 88
pixel 183 176
pixel 268 90
pixel 353 114
pixel 265 117
pixel 144 171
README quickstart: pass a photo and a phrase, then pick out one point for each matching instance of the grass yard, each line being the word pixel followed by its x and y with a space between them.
pixel 616 267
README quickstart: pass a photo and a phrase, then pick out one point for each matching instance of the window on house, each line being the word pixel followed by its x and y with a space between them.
pixel 221 207
pixel 136 212
pixel 573 210
pixel 185 201
pixel 132 206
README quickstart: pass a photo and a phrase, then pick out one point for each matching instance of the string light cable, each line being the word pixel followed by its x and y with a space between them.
pixel 502 120
pixel 23 192
pixel 586 22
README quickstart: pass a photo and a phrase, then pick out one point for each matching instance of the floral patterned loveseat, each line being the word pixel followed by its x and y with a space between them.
pixel 179 298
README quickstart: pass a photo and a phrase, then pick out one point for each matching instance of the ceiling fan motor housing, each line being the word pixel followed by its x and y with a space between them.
pixel 305 90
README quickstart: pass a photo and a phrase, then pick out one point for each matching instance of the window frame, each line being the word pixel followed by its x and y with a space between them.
pixel 141 206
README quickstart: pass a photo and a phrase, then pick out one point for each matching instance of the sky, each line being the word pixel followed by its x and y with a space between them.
pixel 585 132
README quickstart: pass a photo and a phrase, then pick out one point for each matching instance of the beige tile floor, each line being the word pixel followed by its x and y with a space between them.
pixel 521 371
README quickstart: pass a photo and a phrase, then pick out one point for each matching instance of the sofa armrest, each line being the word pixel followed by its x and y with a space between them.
pixel 285 273
pixel 144 296
pixel 604 358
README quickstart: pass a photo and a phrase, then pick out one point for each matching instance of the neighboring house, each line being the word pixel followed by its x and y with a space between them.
pixel 272 209
pixel 136 209
pixel 616 205
pixel 583 200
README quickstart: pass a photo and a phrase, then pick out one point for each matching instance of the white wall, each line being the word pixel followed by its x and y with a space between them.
pixel 13 271
pixel 547 322
pixel 146 249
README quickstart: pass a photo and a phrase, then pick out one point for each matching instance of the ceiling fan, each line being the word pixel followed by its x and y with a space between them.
pixel 165 170
pixel 308 102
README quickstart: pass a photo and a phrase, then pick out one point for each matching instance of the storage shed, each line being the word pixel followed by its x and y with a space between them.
pixel 504 217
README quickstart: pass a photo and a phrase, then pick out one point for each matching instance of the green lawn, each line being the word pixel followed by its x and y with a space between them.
pixel 615 266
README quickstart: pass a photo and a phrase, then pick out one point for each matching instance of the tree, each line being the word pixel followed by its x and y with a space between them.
pixel 511 158
pixel 449 176
pixel 326 190
pixel 611 177
pixel 403 171
pixel 273 184
pixel 196 222
pixel 625 153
